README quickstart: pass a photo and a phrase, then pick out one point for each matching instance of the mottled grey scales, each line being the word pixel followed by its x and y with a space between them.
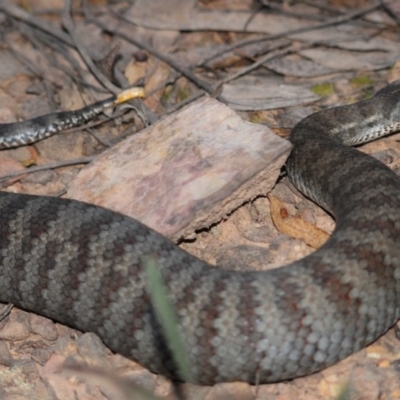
pixel 83 265
pixel 30 131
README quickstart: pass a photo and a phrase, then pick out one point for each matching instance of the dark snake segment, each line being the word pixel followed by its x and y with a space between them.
pixel 30 131
pixel 83 265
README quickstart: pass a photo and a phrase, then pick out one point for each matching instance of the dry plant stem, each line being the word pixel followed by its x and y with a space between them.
pixel 36 38
pixel 69 26
pixel 36 70
pixel 59 48
pixel 390 12
pixel 282 11
pixel 264 59
pixel 94 134
pixel 278 45
pixel 22 15
pixel 144 113
pixel 185 72
pixel 331 22
pixel 47 29
pixel 5 309
pixel 188 100
pixel 55 165
pixel 323 7
pixel 252 16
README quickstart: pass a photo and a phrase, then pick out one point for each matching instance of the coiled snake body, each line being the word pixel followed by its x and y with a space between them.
pixel 83 265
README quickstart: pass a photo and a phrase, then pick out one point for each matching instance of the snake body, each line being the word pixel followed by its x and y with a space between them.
pixel 83 265
pixel 30 131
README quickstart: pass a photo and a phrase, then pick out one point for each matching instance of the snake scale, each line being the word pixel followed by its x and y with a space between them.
pixel 83 265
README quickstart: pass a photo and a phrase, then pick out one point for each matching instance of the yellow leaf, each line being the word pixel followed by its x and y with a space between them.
pixel 296 227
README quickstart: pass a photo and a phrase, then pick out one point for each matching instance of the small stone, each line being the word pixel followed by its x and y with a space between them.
pixel 6 358
pixel 93 351
pixel 143 378
pixel 124 364
pixel 17 328
pixel 244 258
pixel 27 367
pixel 261 234
pixel 64 330
pixel 41 356
pixel 163 387
pixel 89 345
pixel 44 327
pixel 64 345
pixel 74 361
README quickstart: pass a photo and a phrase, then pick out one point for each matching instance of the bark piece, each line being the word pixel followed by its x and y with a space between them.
pixel 186 171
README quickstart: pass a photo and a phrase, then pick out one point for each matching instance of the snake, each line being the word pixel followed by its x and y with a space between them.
pixel 85 266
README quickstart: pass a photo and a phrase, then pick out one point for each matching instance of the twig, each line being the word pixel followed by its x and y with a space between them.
pixel 262 60
pixel 279 44
pixel 188 100
pixel 94 134
pixel 48 31
pixel 339 10
pixel 185 72
pixel 22 15
pixel 35 69
pixel 390 12
pixel 69 26
pixel 330 22
pixel 281 10
pixel 81 80
pixel 54 165
pixel 143 111
pixel 323 7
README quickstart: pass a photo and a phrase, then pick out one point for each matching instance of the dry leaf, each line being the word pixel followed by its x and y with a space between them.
pixel 296 227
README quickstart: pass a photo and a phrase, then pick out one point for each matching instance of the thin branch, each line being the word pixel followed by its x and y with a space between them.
pixel 281 10
pixel 330 22
pixel 69 26
pixel 54 165
pixel 22 15
pixel 46 28
pixel 199 93
pixel 80 80
pixel 390 12
pixel 262 60
pixel 185 72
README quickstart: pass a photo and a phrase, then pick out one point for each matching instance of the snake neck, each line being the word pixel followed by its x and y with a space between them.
pixel 353 124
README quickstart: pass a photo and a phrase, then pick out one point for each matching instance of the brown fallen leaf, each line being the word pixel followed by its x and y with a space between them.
pixel 296 227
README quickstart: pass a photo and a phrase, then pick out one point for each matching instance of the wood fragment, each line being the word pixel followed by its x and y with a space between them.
pixel 187 171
